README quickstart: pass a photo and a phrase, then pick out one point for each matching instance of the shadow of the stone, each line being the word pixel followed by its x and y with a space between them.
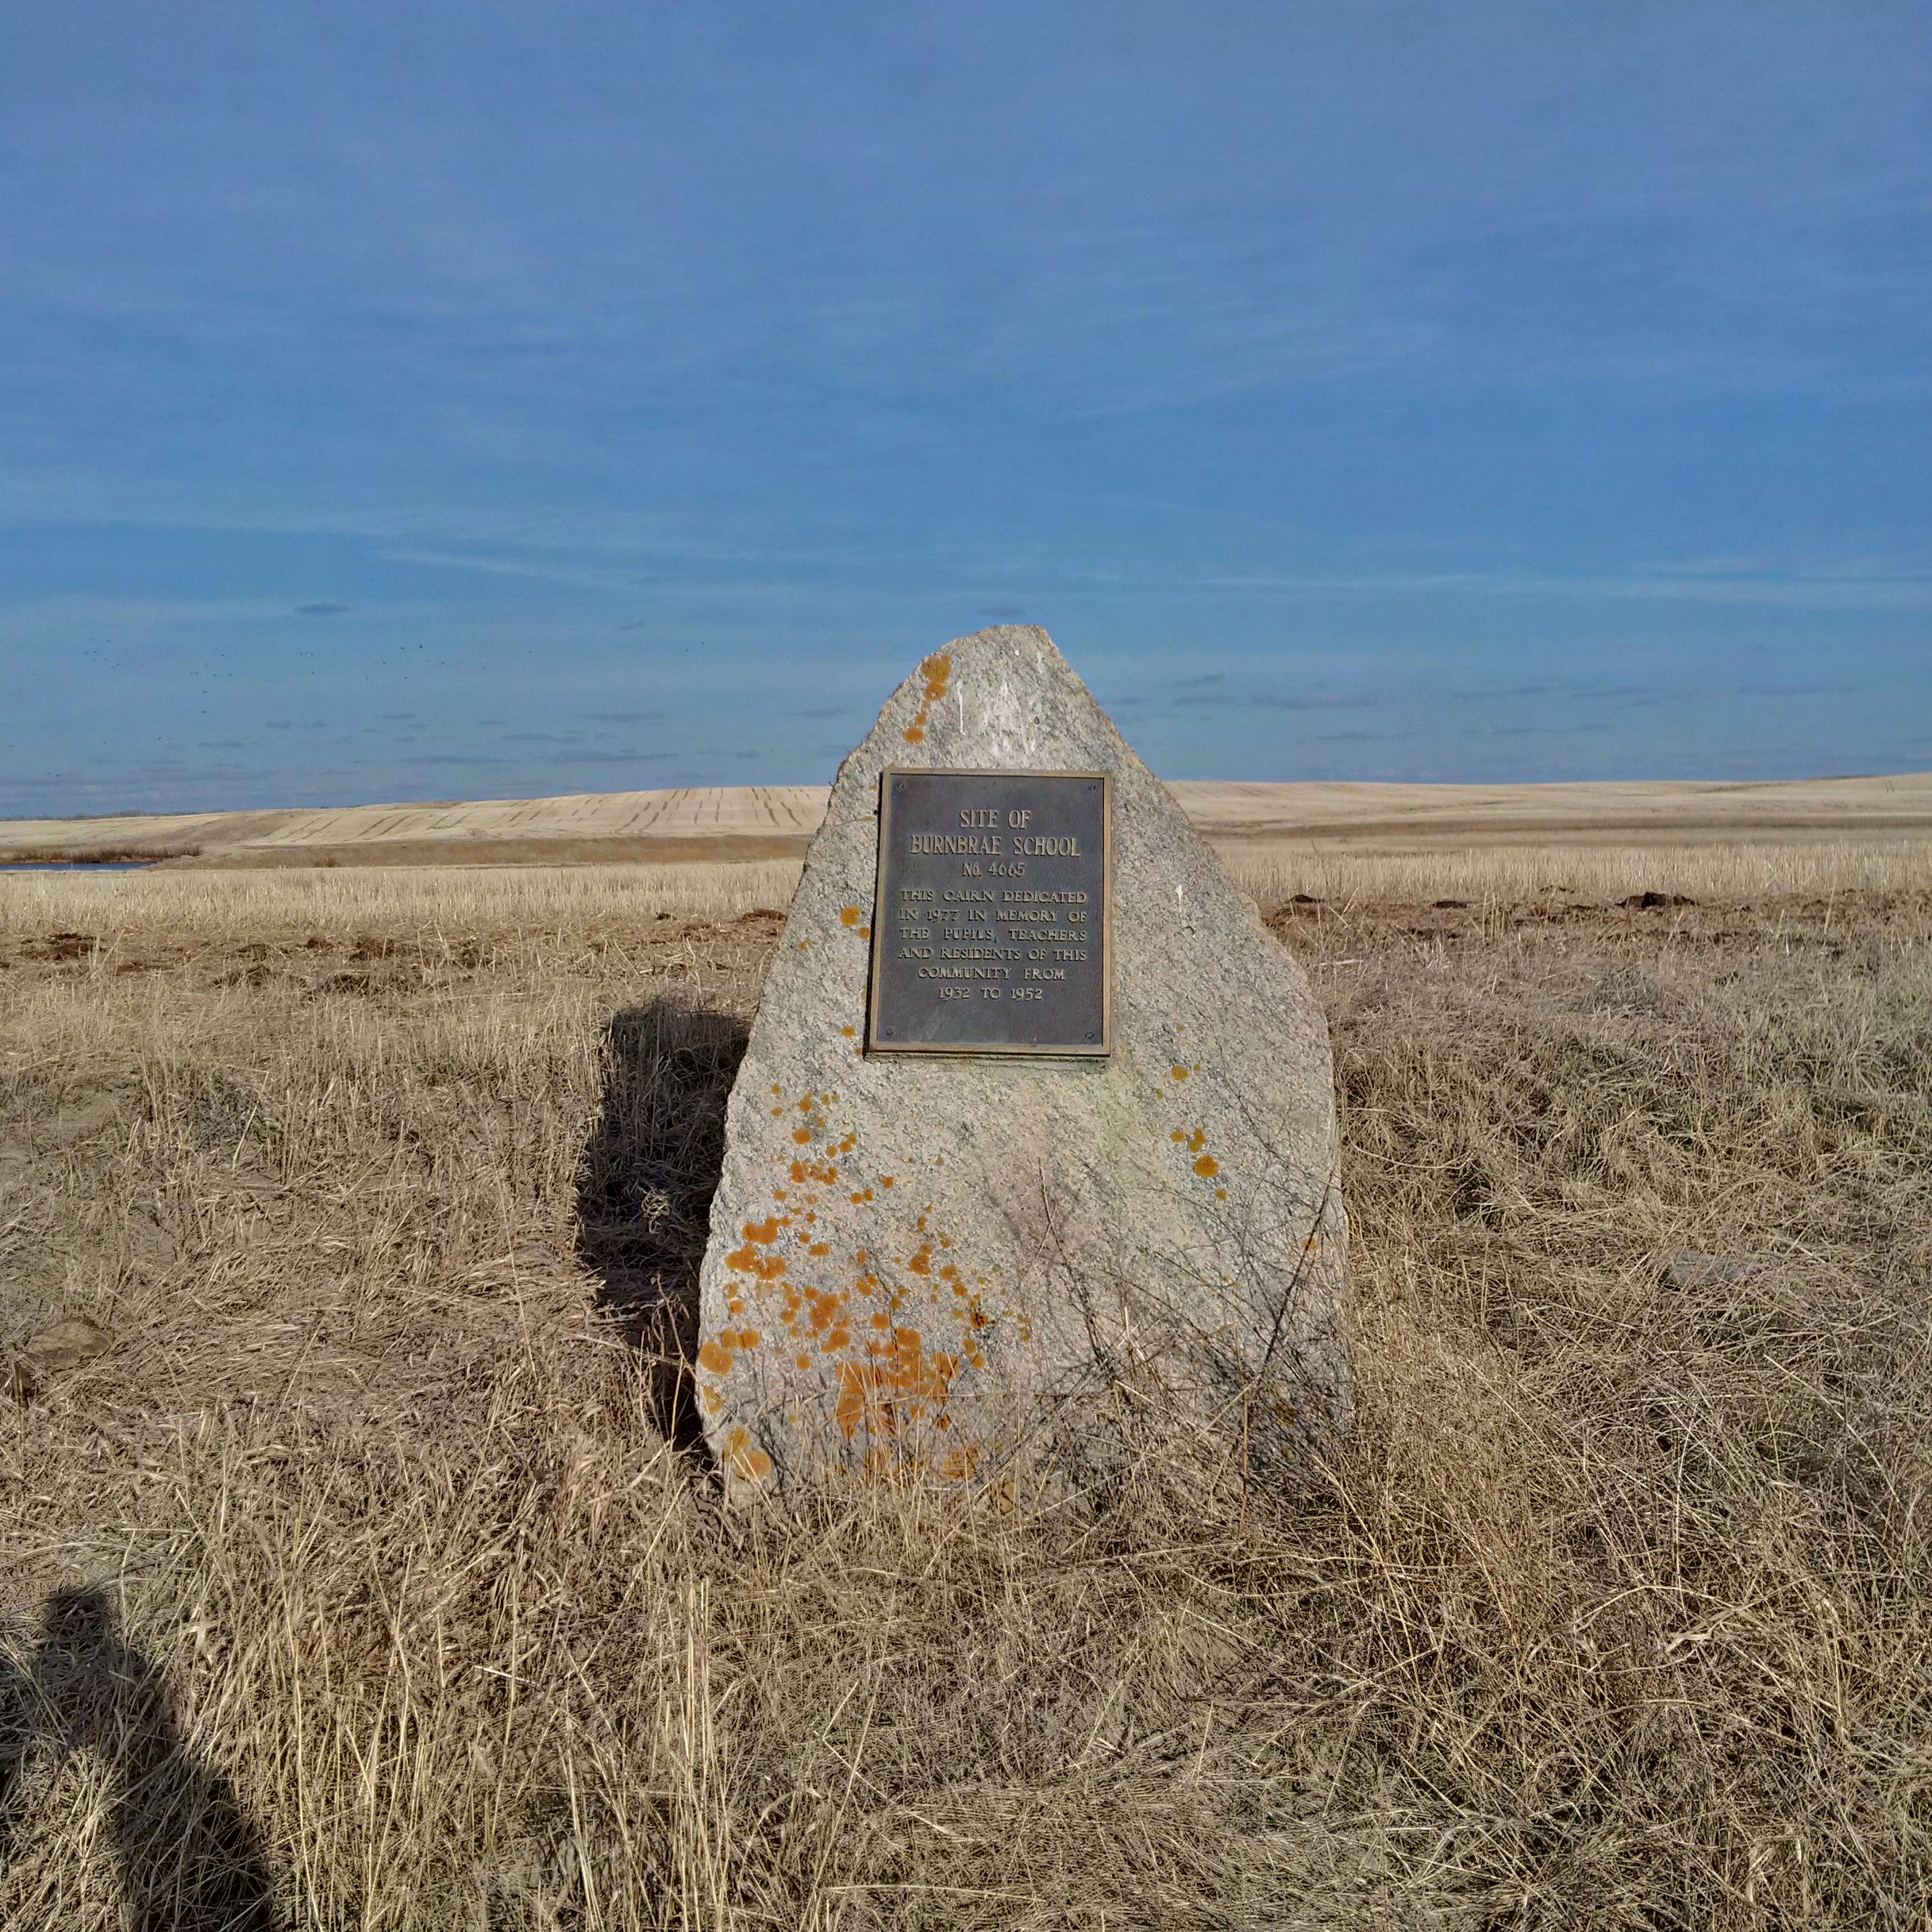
pixel 191 1860
pixel 644 1186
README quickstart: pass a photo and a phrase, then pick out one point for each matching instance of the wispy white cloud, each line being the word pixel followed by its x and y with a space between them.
pixel 1852 591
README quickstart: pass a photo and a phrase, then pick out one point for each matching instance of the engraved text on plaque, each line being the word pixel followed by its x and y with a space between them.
pixel 990 931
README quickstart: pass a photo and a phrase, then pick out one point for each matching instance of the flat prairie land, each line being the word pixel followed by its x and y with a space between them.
pixel 752 823
pixel 356 1569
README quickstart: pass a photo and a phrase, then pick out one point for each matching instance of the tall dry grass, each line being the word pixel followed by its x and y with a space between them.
pixel 356 1583
pixel 427 903
pixel 1273 872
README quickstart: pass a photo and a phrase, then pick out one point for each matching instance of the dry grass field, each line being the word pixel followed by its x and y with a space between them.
pixel 354 1571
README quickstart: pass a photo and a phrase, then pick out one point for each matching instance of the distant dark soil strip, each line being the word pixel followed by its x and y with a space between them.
pixel 1474 829
pixel 707 848
pixel 724 848
pixel 98 855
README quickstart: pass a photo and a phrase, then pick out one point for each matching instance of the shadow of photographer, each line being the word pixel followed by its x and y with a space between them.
pixel 645 1185
pixel 191 1859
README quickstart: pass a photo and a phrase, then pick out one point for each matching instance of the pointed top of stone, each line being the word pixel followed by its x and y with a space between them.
pixel 1003 699
pixel 984 1269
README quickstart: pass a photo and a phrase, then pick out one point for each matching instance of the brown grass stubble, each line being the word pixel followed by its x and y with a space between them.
pixel 362 1554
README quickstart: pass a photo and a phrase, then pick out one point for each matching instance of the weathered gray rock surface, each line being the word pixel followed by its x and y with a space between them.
pixel 1013 1271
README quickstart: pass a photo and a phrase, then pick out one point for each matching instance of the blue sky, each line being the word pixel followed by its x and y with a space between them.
pixel 427 400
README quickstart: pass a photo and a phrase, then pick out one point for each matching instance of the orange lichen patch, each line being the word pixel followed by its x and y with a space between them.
pixel 1309 1245
pixel 849 915
pixel 882 1319
pixel 716 1357
pixel 1207 1166
pixel 1194 1142
pixel 938 673
pixel 897 1385
pixel 712 1397
pixel 1180 1133
pixel 850 1141
pixel 885 1180
pixel 735 1306
pixel 966 1310
pixel 819 1248
pixel 743 1458
pixel 1220 1193
pixel 948 1272
pixel 863 1195
pixel 801 1135
pixel 766 1267
pixel 762 1233
pixel 1179 1073
pixel 802 1361
pixel 960 1465
pixel 851 1033
pixel 822 1309
pixel 921 1263
pixel 839 1338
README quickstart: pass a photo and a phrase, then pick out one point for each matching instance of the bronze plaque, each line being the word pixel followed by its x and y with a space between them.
pixel 991 929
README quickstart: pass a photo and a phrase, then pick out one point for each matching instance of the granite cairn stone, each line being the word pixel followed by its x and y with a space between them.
pixel 1014 1273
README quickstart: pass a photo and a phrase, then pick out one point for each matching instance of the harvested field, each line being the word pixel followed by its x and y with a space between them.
pixel 1265 823
pixel 352 1569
